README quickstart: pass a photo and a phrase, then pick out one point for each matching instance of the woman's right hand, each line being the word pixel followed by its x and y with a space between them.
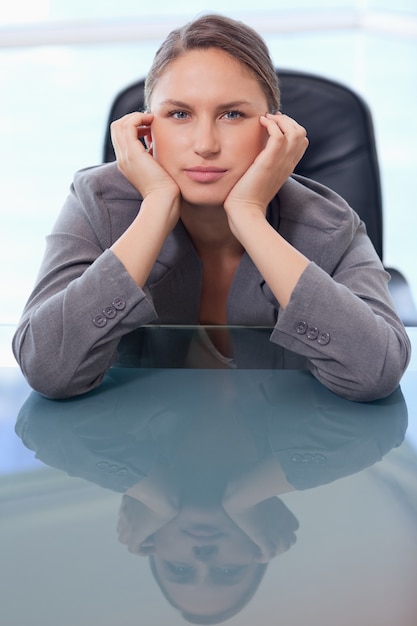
pixel 136 162
pixel 138 247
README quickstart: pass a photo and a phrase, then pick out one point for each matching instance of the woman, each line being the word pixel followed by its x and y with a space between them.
pixel 207 226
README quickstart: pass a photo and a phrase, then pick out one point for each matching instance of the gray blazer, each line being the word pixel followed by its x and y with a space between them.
pixel 340 320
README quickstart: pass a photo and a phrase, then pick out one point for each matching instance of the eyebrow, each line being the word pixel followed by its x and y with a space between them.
pixel 226 105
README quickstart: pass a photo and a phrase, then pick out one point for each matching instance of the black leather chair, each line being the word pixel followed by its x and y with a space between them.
pixel 341 155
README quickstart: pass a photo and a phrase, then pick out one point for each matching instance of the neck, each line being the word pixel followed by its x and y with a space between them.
pixel 209 230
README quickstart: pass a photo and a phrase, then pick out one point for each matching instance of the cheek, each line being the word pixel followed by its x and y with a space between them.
pixel 259 138
pixel 165 143
pixel 248 143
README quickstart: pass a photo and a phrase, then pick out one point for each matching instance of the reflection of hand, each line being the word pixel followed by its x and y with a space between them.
pixel 270 525
pixel 137 523
pixel 158 491
pixel 257 482
pixel 146 507
pixel 285 146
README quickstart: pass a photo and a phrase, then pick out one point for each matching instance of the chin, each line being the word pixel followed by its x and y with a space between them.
pixel 204 198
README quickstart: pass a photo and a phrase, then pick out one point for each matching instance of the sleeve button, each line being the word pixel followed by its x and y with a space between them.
pixel 119 304
pixel 313 332
pixel 323 339
pixel 301 328
pixel 110 312
pixel 100 320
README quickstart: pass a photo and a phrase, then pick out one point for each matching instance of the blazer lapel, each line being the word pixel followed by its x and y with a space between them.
pixel 175 281
pixel 175 284
pixel 250 301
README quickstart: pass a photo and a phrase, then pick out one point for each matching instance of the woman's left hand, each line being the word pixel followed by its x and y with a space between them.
pixel 280 264
pixel 284 148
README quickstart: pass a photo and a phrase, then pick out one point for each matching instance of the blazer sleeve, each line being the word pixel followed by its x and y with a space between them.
pixel 341 316
pixel 84 300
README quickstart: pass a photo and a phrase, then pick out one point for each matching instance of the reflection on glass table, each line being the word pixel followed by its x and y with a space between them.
pixel 204 461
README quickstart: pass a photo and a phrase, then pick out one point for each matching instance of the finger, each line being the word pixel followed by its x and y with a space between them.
pixel 285 129
pixel 136 118
pixel 127 132
pixel 284 136
pixel 286 144
pixel 271 125
pixel 132 125
pixel 286 124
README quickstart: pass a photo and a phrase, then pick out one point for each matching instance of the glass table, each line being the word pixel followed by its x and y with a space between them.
pixel 175 495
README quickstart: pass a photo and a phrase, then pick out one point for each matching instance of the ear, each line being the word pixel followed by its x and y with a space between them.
pixel 148 144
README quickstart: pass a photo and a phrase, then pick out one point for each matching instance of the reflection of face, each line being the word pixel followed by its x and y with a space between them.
pixel 204 561
pixel 207 106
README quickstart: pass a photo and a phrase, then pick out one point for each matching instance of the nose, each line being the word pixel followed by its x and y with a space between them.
pixel 206 138
pixel 203 553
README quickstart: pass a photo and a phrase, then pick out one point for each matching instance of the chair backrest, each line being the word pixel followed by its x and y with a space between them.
pixel 342 153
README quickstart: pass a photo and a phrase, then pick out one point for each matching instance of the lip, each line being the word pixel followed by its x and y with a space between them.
pixel 203 537
pixel 203 531
pixel 205 174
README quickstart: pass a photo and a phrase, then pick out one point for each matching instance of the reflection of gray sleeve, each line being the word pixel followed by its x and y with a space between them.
pixel 340 316
pixel 318 437
pixel 311 465
pixel 105 436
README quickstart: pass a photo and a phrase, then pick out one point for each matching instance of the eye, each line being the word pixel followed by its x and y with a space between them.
pixel 232 115
pixel 230 572
pixel 178 115
pixel 179 569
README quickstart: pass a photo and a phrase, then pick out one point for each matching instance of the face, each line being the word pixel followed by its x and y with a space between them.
pixel 204 561
pixel 206 130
